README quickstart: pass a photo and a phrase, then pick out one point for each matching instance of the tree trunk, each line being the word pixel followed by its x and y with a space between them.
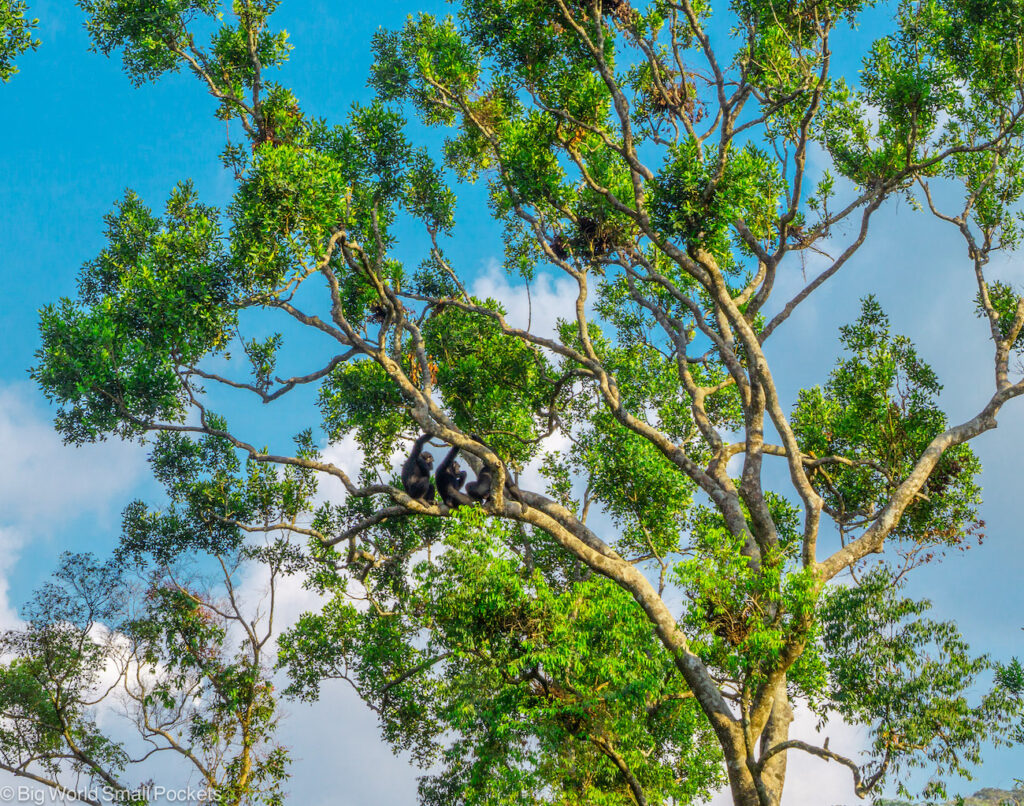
pixel 776 732
pixel 741 782
pixel 772 778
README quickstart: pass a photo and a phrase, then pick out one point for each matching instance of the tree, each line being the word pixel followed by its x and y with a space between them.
pixel 638 630
pixel 97 645
pixel 1011 679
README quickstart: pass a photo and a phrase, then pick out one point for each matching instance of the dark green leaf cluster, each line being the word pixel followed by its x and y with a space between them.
pixel 743 615
pixel 697 197
pixel 1006 302
pixel 1010 677
pixel 212 493
pixel 879 410
pixel 542 683
pixel 148 41
pixel 492 382
pixel 359 397
pixel 285 210
pixel 156 297
pixel 16 36
pixel 648 499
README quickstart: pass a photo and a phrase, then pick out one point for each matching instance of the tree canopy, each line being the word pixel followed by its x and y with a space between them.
pixel 701 553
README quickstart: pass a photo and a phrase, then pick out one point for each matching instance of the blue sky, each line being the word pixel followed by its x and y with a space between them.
pixel 76 134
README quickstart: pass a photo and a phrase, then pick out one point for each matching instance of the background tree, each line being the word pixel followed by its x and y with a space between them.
pixel 580 643
pixel 160 654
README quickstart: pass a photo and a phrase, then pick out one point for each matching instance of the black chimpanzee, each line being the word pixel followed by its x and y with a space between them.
pixel 480 490
pixel 416 472
pixel 449 479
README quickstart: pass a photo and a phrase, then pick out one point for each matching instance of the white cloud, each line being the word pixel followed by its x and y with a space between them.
pixel 9 543
pixel 346 455
pixel 291 599
pixel 549 297
pixel 45 483
pixel 339 737
pixel 531 478
pixel 812 780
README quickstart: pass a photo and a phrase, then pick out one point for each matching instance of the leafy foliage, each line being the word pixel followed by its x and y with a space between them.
pixel 631 617
pixel 166 651
pixel 879 410
pixel 905 676
pixel 548 683
pixel 15 36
